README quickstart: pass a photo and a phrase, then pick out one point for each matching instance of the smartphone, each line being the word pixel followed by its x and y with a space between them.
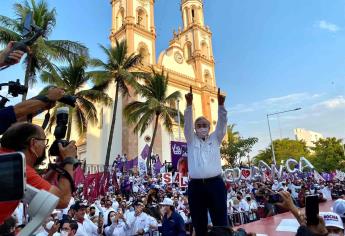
pixel 274 198
pixel 12 176
pixel 312 209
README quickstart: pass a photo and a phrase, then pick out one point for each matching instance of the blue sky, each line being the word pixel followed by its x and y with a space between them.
pixel 270 56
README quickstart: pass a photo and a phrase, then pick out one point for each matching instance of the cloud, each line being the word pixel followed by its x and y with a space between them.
pixel 332 103
pixel 274 103
pixel 322 24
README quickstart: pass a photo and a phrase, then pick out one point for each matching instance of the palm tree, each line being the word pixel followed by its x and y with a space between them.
pixel 232 135
pixel 156 106
pixel 74 79
pixel 118 68
pixel 43 50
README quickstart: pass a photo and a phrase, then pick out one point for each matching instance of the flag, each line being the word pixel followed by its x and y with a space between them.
pixel 158 166
pixel 339 175
pixel 78 176
pixel 131 163
pixel 145 152
pixel 317 176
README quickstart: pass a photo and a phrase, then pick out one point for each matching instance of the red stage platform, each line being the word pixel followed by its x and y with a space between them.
pixel 268 225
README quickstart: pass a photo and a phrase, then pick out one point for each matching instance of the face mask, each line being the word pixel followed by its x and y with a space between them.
pixel 63 233
pixel 112 218
pixel 40 159
pixel 202 132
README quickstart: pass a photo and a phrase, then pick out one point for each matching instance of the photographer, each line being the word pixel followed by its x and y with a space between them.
pixel 31 140
pixel 20 111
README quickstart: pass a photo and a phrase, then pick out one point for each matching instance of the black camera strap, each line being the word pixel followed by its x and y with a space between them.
pixel 63 173
pixel 46 120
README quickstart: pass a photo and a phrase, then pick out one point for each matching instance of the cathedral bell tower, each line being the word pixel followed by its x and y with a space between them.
pixel 198 48
pixel 133 20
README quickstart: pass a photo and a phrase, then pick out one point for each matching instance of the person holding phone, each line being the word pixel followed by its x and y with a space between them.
pixel 206 189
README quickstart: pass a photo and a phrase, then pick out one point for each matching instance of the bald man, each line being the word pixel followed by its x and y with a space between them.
pixel 206 189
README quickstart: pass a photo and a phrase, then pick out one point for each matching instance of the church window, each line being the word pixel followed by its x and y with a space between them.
pixel 141 18
pixel 193 15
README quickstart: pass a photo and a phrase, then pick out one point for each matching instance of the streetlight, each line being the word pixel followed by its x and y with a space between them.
pixel 269 129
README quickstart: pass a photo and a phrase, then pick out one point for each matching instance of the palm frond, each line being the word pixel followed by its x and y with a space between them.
pixel 66 48
pixel 95 96
pixel 88 109
pixel 7 36
pixel 9 23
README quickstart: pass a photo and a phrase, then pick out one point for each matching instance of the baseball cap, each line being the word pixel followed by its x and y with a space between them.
pixel 332 219
pixel 167 202
pixel 339 208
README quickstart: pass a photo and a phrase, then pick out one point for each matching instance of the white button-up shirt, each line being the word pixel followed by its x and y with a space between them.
pixel 87 228
pixel 204 156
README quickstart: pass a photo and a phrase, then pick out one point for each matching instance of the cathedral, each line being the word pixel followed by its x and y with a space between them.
pixel 188 61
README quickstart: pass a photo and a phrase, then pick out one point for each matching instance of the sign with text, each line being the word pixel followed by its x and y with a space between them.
pixel 178 150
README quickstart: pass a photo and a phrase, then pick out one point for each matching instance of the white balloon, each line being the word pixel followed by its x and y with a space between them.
pixel 232 175
pixel 255 173
pixel 305 164
pixel 263 166
pixel 276 172
pixel 287 164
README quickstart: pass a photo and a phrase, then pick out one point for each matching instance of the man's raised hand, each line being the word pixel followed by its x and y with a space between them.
pixel 221 98
pixel 189 97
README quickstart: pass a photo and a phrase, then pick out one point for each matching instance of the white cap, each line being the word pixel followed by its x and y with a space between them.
pixel 167 202
pixel 332 219
pixel 339 207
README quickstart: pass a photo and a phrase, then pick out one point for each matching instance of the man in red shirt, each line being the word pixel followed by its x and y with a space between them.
pixel 31 140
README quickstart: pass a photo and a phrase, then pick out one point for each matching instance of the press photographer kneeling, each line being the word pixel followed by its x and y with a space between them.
pixel 31 140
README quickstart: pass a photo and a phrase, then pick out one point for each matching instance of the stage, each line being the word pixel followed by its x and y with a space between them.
pixel 267 226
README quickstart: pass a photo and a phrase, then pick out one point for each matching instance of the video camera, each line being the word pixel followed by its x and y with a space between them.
pixel 30 34
pixel 14 89
pixel 60 131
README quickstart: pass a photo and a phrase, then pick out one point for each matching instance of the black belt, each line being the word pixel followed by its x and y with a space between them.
pixel 207 179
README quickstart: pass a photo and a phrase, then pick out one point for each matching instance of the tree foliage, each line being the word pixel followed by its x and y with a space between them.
pixel 283 150
pixel 328 155
pixel 236 147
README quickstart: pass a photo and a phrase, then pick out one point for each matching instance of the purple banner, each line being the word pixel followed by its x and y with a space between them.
pixel 178 150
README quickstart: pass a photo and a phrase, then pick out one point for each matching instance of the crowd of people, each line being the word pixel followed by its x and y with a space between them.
pixel 151 207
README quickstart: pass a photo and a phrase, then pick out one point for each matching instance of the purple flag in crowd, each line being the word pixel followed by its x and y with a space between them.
pixel 145 151
pixel 131 163
pixel 158 166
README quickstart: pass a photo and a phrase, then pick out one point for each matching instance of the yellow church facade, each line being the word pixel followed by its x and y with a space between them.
pixel 188 61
